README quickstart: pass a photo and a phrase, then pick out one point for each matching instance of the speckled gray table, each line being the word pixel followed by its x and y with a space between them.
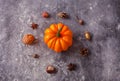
pixel 102 19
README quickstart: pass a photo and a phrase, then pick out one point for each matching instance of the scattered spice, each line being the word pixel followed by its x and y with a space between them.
pixel 81 22
pixel 71 67
pixel 84 51
pixel 87 35
pixel 28 39
pixel 34 26
pixel 62 15
pixel 50 69
pixel 45 14
pixel 35 56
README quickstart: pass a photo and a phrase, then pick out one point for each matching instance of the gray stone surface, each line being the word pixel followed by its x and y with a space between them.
pixel 102 18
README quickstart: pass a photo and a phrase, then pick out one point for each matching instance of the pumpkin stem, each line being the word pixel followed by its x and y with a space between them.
pixel 58 32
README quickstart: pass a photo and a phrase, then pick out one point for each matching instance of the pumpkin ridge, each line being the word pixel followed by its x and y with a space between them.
pixel 65 28
pixel 48 37
pixel 53 27
pixel 57 46
pixel 49 31
pixel 64 47
pixel 49 43
pixel 67 40
pixel 67 33
pixel 53 44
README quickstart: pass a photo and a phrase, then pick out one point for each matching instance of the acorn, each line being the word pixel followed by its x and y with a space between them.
pixel 87 35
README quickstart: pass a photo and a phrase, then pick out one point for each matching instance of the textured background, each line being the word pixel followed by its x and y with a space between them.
pixel 102 18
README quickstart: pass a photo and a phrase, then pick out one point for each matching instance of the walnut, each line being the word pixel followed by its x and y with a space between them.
pixel 28 39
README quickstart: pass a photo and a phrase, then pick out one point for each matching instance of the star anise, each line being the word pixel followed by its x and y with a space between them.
pixel 34 26
pixel 71 67
pixel 62 15
pixel 84 51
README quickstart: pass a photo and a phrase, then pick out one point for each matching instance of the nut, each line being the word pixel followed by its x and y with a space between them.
pixel 62 15
pixel 87 35
pixel 81 22
pixel 28 39
pixel 50 69
pixel 84 51
pixel 45 14
pixel 35 56
pixel 34 26
pixel 71 67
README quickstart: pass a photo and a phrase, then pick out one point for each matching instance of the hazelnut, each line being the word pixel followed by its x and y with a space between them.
pixel 81 22
pixel 87 35
pixel 71 67
pixel 50 69
pixel 28 39
pixel 34 26
pixel 45 14
pixel 84 51
pixel 35 56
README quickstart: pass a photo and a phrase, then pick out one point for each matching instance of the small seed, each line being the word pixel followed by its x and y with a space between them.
pixel 84 51
pixel 62 15
pixel 34 26
pixel 81 22
pixel 50 69
pixel 45 15
pixel 35 56
pixel 71 67
pixel 87 35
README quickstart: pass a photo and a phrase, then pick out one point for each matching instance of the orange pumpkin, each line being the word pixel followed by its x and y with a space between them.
pixel 58 37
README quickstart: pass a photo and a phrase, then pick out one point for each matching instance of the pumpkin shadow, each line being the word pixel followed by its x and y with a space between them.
pixel 77 44
pixel 73 51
